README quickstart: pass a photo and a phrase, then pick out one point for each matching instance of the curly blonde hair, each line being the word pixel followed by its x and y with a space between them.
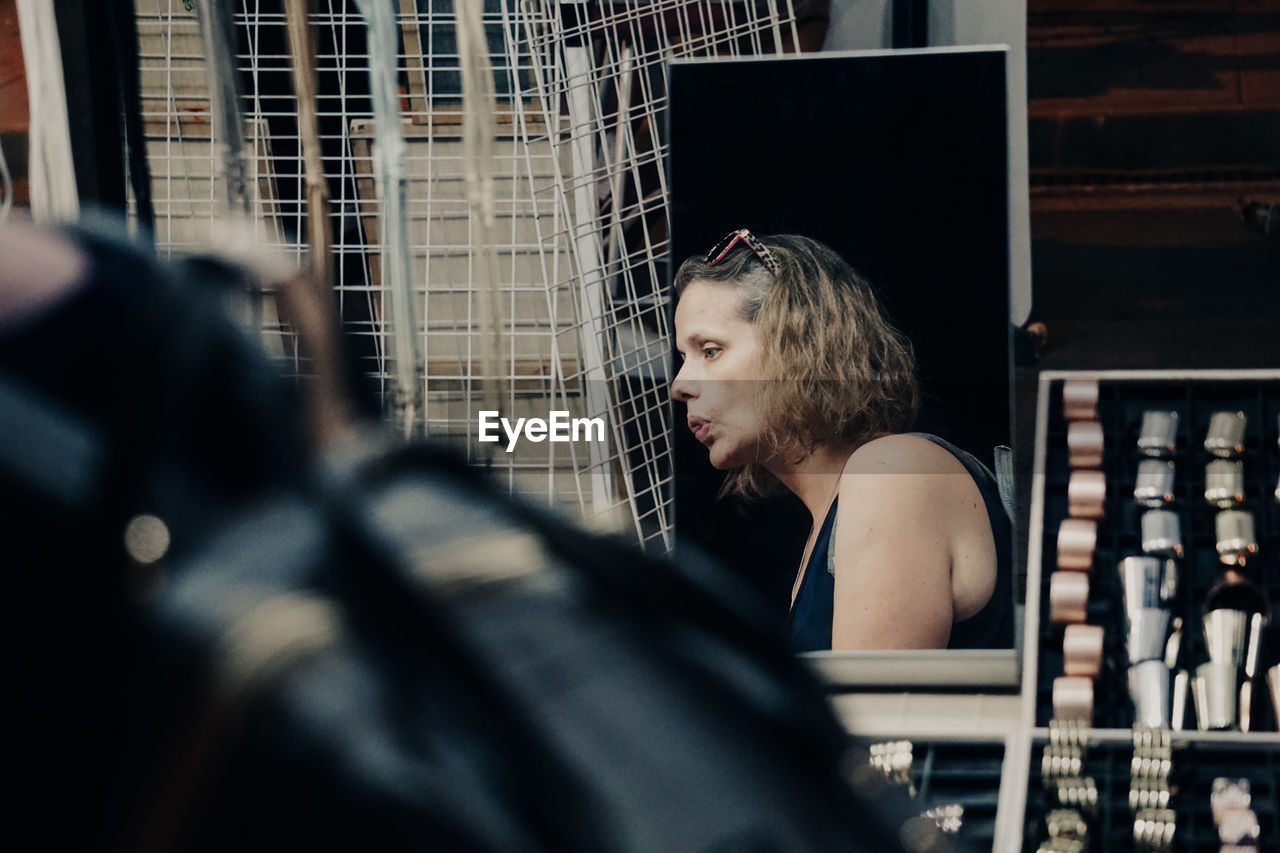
pixel 839 371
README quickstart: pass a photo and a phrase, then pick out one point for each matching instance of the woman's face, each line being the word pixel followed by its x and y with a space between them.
pixel 719 374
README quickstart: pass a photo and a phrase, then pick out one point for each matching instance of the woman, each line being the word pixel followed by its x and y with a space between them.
pixel 793 377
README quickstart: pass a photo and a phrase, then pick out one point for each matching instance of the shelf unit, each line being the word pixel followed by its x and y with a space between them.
pixel 942 721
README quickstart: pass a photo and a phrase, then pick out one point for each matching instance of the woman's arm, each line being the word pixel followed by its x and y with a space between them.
pixel 894 544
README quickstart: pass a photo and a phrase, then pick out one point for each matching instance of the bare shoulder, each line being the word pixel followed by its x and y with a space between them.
pixel 894 546
pixel 910 539
pixel 903 453
pixel 907 481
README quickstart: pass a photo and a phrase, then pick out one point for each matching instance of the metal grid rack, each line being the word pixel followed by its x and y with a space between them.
pixel 579 198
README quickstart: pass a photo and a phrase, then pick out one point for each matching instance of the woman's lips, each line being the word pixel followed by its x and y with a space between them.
pixel 701 429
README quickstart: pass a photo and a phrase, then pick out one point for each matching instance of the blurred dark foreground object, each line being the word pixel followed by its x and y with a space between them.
pixel 368 649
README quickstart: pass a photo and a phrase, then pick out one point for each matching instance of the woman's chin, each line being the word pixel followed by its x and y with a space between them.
pixel 724 461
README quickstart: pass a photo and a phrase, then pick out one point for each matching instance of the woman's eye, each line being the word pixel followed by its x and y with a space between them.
pixel 710 352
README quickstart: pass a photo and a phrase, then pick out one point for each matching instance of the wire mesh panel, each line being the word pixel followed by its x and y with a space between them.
pixel 600 68
pixel 567 229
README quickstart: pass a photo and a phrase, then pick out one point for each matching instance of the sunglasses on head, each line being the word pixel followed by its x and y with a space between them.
pixel 752 242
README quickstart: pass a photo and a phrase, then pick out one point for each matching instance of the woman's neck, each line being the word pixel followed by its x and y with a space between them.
pixel 815 480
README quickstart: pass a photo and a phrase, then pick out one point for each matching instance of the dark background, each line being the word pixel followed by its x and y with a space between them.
pixel 898 162
pixel 1154 142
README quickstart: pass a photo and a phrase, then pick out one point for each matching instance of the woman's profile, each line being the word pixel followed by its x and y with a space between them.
pixel 793 377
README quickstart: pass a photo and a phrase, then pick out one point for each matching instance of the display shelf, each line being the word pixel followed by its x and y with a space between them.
pixel 1199 757
pixel 961 730
pixel 1122 401
pixel 956 783
pixel 1197 761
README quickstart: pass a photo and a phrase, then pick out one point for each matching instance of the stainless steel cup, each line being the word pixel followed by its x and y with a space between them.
pixel 1144 583
pixel 1149 690
pixel 1226 434
pixel 1215 690
pixel 1154 484
pixel 1159 433
pixel 1148 628
pixel 1161 533
pixel 1226 635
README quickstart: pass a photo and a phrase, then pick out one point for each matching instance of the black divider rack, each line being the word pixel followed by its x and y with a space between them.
pixel 960 773
pixel 968 774
pixel 1196 764
pixel 1198 758
pixel 1121 406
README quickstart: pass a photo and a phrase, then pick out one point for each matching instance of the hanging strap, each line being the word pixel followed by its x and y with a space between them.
pixel 1004 477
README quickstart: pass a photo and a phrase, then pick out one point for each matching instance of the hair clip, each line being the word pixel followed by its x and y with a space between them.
pixel 1224 483
pixel 1236 540
pixel 1084 444
pixel 1080 399
pixel 1161 533
pixel 1159 433
pixel 1086 493
pixel 1226 434
pixel 1077 539
pixel 1154 484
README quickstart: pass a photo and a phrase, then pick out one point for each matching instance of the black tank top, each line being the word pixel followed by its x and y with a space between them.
pixel 808 625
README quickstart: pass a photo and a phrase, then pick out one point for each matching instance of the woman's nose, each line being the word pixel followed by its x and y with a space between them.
pixel 683 389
